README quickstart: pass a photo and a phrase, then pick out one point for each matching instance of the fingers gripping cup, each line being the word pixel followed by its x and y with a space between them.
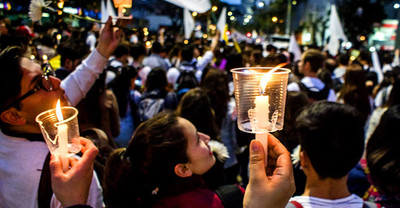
pixel 260 95
pixel 60 131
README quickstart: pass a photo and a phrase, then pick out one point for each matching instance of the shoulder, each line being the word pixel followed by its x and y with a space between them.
pixel 196 198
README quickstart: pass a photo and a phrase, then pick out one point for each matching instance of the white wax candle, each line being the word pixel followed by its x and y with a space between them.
pixel 63 144
pixel 262 112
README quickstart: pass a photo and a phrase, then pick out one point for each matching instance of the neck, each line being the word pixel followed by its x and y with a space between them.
pixel 327 189
pixel 311 74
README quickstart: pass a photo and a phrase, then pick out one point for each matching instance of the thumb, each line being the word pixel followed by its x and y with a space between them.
pixel 55 166
pixel 256 162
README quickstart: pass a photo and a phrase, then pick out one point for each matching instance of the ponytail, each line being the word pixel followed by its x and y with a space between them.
pixel 118 181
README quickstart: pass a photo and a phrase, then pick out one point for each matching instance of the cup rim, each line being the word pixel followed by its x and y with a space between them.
pixel 241 70
pixel 60 122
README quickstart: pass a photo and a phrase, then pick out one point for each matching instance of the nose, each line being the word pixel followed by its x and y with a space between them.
pixel 204 137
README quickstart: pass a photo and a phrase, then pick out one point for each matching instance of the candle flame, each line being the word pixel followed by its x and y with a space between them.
pixel 58 111
pixel 267 76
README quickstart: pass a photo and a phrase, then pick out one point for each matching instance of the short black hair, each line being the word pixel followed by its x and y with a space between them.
pixel 122 49
pixel 187 53
pixel 315 58
pixel 11 75
pixel 332 135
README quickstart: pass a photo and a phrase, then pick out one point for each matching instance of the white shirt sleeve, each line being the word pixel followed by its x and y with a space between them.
pixel 207 57
pixel 79 82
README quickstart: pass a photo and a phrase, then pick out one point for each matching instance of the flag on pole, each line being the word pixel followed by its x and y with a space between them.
pixel 335 31
pixel 188 23
pixel 377 65
pixel 199 6
pixel 107 9
pixel 294 48
pixel 222 26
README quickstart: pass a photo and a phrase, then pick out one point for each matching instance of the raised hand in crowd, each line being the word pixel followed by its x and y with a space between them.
pixel 72 187
pixel 271 186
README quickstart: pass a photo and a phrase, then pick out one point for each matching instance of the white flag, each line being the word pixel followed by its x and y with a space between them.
pixel 107 9
pixel 199 6
pixel 188 23
pixel 294 48
pixel 377 66
pixel 335 31
pixel 222 23
pixel 222 20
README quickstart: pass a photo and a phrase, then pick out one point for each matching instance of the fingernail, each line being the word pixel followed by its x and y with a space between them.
pixel 255 146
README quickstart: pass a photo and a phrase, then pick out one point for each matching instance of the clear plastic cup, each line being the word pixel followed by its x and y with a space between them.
pixel 49 125
pixel 247 90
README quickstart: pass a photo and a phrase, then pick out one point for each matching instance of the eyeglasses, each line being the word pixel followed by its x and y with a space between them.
pixel 44 83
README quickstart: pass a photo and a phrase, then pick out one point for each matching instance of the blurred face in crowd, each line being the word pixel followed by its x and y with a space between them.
pixel 199 153
pixel 3 28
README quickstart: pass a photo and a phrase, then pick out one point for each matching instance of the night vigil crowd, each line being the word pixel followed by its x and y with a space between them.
pixel 158 123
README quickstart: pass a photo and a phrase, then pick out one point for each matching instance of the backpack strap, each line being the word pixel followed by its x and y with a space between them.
pixel 231 196
pixel 45 191
pixel 368 204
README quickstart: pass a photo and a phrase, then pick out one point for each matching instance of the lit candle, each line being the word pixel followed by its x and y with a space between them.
pixel 262 114
pixel 62 138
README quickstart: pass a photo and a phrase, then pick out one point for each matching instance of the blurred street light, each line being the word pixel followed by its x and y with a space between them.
pixel 230 13
pixel 274 19
pixel 396 5
pixel 214 8
pixel 194 14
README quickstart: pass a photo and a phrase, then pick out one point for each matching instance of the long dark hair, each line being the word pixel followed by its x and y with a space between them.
pixel 215 85
pixel 147 165
pixel 196 107
pixel 383 153
pixel 354 91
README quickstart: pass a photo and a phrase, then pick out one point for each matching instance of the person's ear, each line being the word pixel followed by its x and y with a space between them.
pixel 68 63
pixel 182 170
pixel 13 117
pixel 304 160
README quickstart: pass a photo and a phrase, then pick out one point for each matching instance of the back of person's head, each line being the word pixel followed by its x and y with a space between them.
pixel 137 50
pixel 343 59
pixel 187 53
pixel 187 80
pixel 331 64
pixel 326 77
pixel 156 48
pixel 215 85
pixel 121 50
pixel 394 97
pixel 11 75
pixel 270 48
pixel 354 91
pixel 295 102
pixel 332 136
pixel 72 51
pixel 196 107
pixel 365 56
pixel 383 154
pixel 270 61
pixel 147 164
pixel 315 58
pixel 156 79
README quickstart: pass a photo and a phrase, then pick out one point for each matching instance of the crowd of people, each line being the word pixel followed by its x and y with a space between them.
pixel 159 120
